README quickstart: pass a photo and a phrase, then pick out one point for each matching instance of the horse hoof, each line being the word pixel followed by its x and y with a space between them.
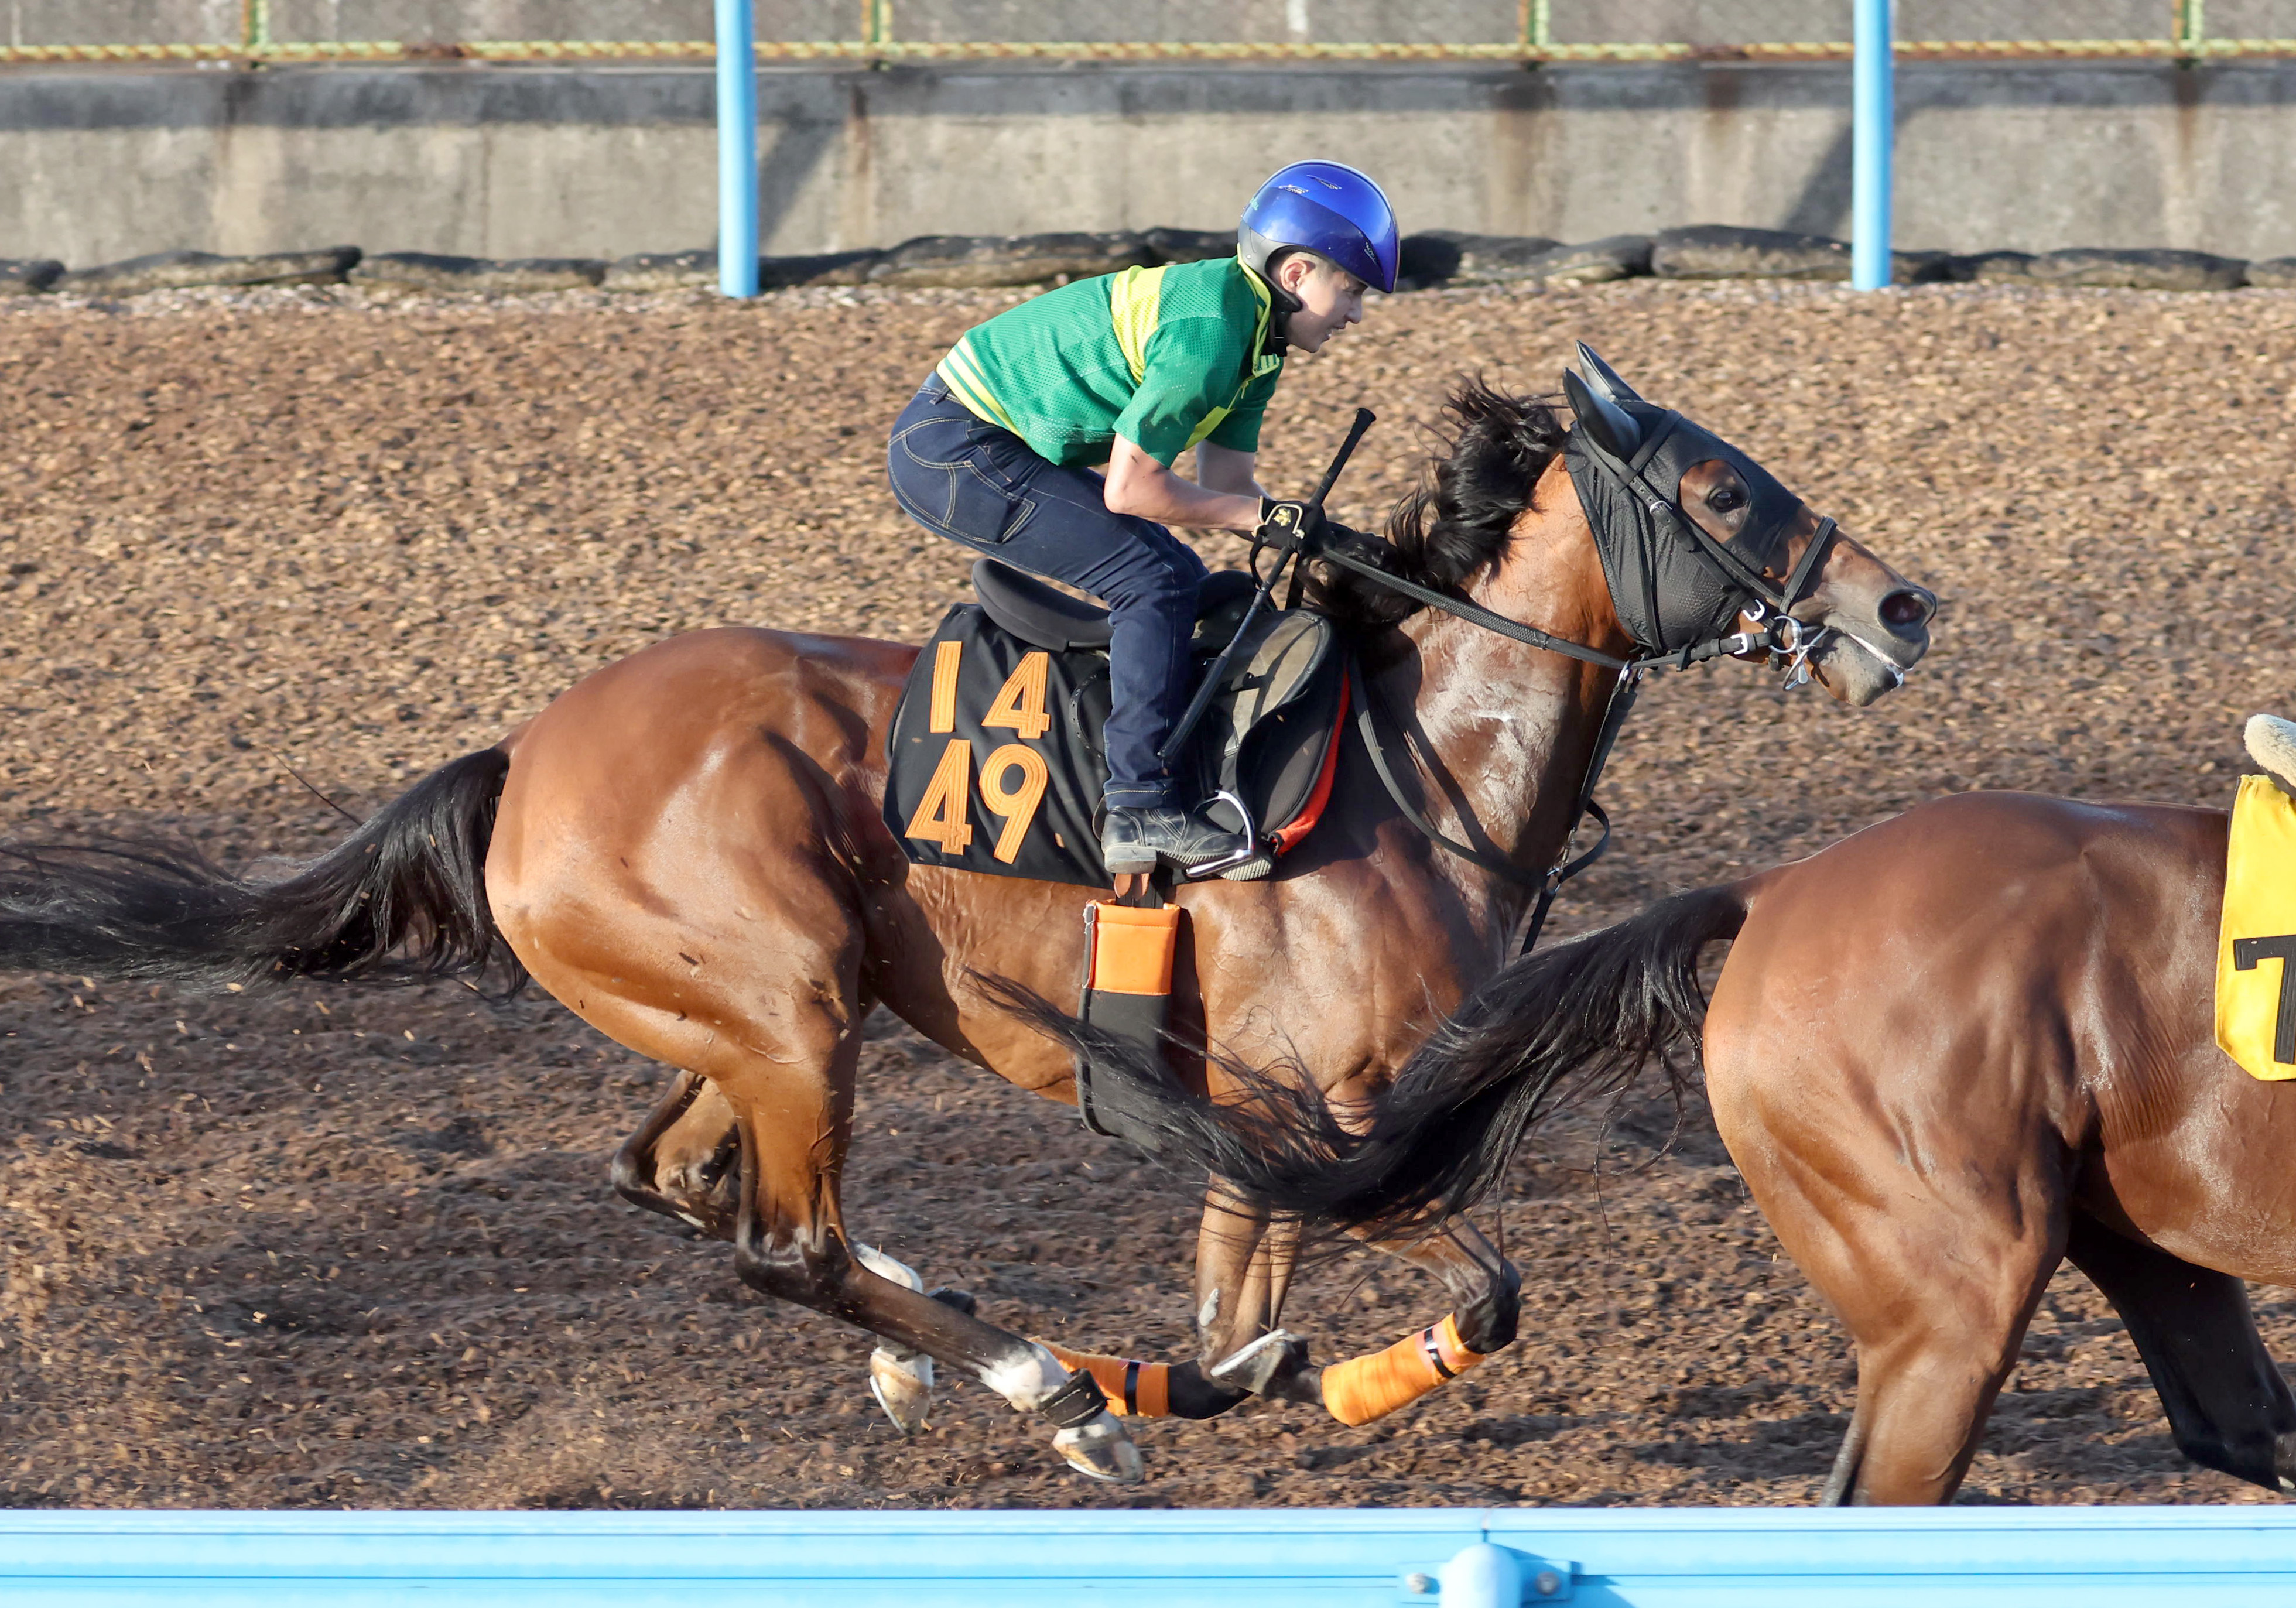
pixel 903 1387
pixel 1099 1448
pixel 1257 1367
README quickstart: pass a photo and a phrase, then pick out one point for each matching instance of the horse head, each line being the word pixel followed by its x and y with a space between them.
pixel 1700 542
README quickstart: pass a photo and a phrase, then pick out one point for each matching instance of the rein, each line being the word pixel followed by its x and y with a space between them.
pixel 1784 634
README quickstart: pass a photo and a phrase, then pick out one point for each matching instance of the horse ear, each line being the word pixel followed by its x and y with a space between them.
pixel 1603 377
pixel 1609 425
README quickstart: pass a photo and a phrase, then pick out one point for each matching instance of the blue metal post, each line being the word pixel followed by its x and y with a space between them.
pixel 1873 116
pixel 737 147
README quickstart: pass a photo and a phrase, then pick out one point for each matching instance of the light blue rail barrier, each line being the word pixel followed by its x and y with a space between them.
pixel 1276 1558
pixel 1873 120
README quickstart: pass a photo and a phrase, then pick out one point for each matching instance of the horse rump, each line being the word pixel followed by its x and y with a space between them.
pixel 402 898
pixel 1556 1028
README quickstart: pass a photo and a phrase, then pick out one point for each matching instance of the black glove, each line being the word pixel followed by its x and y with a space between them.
pixel 1289 524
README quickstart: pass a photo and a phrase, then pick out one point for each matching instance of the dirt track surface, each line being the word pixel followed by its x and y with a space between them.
pixel 342 1247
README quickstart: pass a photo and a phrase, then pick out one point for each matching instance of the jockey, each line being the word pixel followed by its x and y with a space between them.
pixel 1129 371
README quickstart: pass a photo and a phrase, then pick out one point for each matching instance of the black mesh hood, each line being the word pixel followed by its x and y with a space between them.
pixel 1669 590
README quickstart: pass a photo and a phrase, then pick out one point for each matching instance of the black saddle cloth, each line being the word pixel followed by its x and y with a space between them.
pixel 996 755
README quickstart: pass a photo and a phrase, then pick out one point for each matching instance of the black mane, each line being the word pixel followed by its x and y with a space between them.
pixel 1455 526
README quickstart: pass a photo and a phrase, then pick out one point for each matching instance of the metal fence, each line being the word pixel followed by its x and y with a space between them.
pixel 256 32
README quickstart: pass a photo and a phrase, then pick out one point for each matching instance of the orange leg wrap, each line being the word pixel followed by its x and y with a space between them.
pixel 1363 1388
pixel 1135 1390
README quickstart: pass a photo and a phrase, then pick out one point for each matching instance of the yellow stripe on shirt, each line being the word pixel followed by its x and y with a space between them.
pixel 1135 297
pixel 962 373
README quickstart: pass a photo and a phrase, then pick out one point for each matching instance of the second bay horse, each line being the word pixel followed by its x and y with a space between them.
pixel 1946 1054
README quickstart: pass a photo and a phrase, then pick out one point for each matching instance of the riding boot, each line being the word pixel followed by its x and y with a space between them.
pixel 2272 744
pixel 1137 840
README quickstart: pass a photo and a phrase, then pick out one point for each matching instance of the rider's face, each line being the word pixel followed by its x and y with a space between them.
pixel 1330 298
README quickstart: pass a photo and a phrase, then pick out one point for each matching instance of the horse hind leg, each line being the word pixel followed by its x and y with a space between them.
pixel 681 1163
pixel 2229 1407
pixel 1926 1384
pixel 1937 1293
pixel 793 1110
pixel 2228 1404
pixel 781 1053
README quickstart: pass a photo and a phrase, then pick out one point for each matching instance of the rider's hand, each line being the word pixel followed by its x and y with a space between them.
pixel 1282 522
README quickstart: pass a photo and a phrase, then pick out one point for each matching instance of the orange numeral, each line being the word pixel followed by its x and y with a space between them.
pixel 942 812
pixel 1018 806
pixel 947 656
pixel 1020 706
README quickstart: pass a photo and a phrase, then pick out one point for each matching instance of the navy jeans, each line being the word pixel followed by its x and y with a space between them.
pixel 982 485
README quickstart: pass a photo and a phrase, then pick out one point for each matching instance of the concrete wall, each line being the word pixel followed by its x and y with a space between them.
pixel 99 164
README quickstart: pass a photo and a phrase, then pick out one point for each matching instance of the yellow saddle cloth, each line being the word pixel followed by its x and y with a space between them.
pixel 2256 946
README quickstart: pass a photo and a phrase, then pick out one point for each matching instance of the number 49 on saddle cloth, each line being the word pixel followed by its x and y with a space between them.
pixel 996 755
pixel 2256 946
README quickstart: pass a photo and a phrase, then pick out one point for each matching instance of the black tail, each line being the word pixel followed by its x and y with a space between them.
pixel 404 896
pixel 1576 1021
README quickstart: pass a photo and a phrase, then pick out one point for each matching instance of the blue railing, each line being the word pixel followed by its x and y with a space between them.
pixel 1274 1558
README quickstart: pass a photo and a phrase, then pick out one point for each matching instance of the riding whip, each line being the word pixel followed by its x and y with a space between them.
pixel 1286 551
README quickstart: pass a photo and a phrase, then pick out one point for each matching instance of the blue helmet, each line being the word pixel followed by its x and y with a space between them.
pixel 1328 209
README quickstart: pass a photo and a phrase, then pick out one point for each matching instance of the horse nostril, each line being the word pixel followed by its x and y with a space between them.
pixel 1907 608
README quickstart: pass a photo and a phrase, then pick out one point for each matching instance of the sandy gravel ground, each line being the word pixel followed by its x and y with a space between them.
pixel 358 1248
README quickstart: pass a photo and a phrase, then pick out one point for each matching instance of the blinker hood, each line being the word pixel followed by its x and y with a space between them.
pixel 1671 583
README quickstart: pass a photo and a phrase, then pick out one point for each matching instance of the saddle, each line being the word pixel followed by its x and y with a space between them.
pixel 997 760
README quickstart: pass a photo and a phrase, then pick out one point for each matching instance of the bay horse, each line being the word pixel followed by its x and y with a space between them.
pixel 686 849
pixel 1946 1053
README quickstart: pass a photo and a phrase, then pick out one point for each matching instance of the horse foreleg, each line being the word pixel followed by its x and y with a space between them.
pixel 2228 1404
pixel 1487 1295
pixel 1249 1261
pixel 1244 1260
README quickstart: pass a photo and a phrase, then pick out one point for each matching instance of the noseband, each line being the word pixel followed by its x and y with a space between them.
pixel 1675 585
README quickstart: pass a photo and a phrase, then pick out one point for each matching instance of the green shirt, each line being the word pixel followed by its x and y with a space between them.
pixel 1165 357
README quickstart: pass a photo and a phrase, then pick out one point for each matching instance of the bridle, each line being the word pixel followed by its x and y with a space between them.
pixel 1766 606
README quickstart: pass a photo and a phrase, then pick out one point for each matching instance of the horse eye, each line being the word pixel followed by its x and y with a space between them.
pixel 1723 499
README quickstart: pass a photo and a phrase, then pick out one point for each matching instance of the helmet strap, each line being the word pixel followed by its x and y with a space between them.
pixel 1280 305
